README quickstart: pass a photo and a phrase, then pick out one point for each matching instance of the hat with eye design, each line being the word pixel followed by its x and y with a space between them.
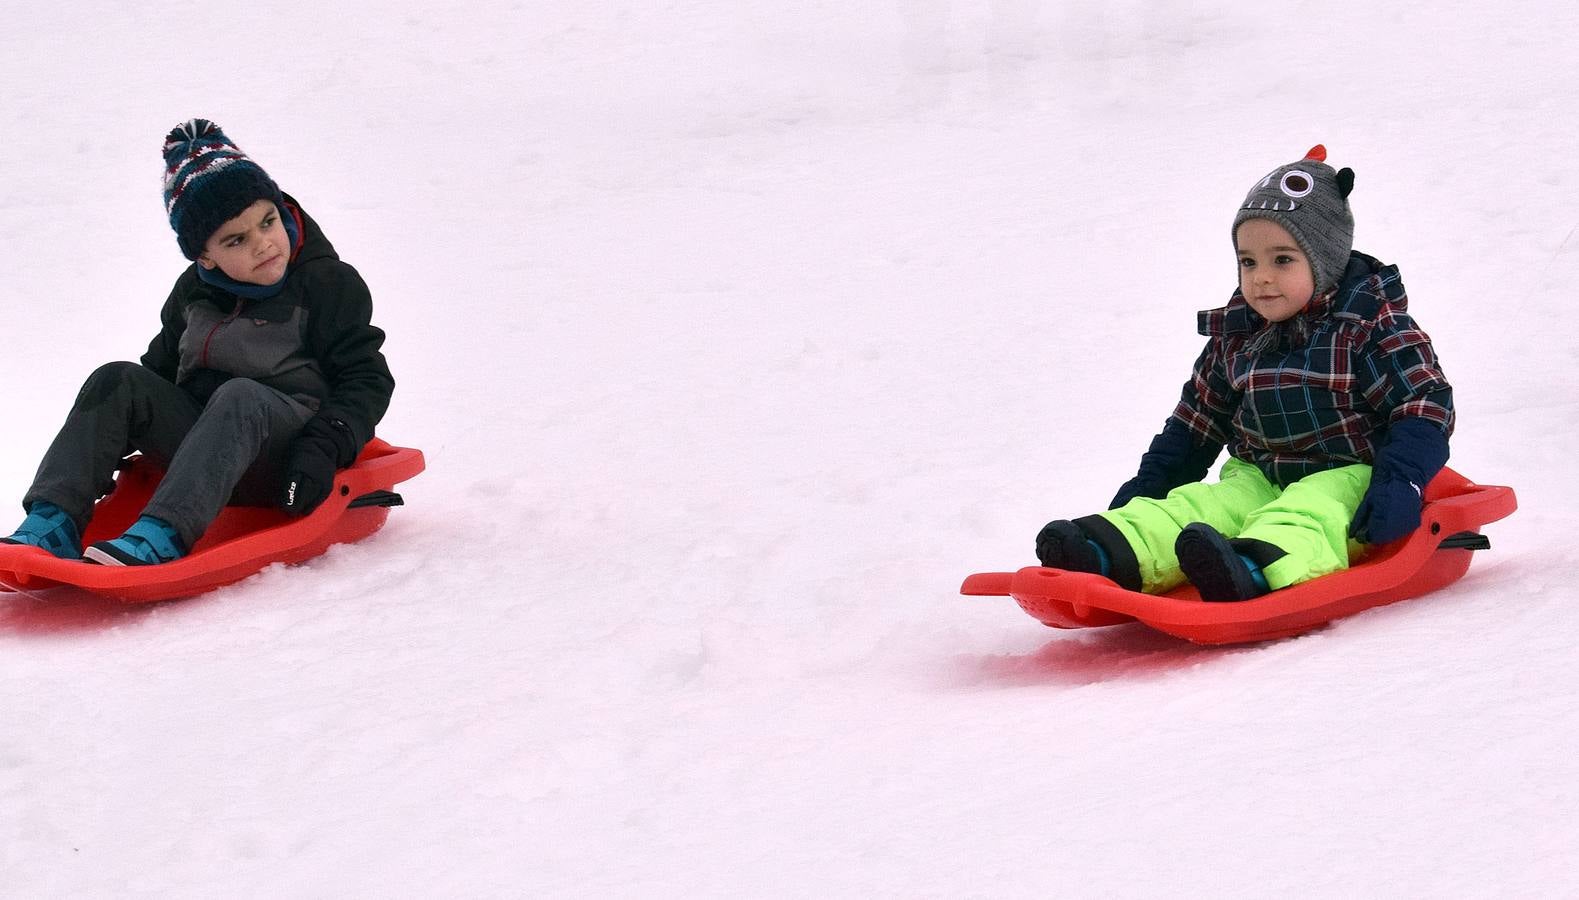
pixel 1311 201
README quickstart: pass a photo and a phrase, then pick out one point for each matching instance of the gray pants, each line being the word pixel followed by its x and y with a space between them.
pixel 233 450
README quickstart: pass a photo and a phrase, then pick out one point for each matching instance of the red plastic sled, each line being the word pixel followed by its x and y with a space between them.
pixel 1435 555
pixel 240 542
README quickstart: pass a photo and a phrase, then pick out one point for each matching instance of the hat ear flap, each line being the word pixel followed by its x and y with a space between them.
pixel 1345 182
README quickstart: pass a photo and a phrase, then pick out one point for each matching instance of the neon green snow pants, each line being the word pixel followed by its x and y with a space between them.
pixel 1308 520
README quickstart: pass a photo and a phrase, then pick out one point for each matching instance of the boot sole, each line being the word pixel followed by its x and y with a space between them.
pixel 16 543
pixel 105 555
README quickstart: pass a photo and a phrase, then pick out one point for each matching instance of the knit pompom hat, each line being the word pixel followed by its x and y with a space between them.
pixel 1311 201
pixel 207 182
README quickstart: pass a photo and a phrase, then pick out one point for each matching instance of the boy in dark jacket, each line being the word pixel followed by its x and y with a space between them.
pixel 265 378
pixel 1327 395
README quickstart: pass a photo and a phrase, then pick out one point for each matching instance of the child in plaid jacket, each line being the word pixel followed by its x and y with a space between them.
pixel 1328 396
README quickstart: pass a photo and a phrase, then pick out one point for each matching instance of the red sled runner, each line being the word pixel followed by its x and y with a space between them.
pixel 239 543
pixel 1435 555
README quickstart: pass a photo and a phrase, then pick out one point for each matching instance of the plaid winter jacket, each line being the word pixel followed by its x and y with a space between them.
pixel 1319 390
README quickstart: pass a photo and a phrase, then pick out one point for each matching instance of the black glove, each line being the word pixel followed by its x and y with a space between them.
pixel 1171 460
pixel 1411 454
pixel 324 446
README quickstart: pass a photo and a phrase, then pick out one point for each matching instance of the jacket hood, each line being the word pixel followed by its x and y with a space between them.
pixel 313 243
pixel 1367 286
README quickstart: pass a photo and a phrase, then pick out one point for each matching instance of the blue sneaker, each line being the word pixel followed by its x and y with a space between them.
pixel 48 526
pixel 148 542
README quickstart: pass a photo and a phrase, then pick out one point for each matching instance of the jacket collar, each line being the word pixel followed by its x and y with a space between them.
pixel 1367 285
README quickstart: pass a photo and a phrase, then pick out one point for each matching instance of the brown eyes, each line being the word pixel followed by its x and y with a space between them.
pixel 1246 262
pixel 265 225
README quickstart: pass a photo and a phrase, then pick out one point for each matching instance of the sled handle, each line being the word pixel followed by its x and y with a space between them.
pixel 1465 540
pixel 377 498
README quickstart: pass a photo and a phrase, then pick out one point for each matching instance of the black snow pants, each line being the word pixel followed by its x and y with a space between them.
pixel 231 450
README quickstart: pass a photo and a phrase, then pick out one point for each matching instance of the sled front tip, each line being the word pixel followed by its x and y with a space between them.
pixel 1054 597
pixel 987 584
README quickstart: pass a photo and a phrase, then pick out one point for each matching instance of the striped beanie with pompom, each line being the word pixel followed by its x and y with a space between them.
pixel 207 182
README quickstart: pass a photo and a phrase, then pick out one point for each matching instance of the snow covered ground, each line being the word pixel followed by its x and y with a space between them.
pixel 736 334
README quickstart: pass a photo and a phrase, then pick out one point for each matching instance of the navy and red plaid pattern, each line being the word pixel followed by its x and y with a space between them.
pixel 1317 391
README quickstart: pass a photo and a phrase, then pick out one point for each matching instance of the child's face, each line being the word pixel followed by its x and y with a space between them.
pixel 1274 274
pixel 254 247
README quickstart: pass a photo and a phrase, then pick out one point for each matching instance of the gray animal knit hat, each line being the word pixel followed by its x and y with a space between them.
pixel 1311 201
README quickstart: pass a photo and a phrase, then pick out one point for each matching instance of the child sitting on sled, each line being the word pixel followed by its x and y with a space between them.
pixel 1327 395
pixel 265 378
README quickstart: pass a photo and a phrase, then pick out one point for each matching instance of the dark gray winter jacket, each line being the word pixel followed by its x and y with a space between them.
pixel 314 340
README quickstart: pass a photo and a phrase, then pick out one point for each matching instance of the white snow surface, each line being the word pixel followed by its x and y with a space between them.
pixel 736 335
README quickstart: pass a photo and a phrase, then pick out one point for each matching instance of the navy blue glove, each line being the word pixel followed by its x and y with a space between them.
pixel 1172 459
pixel 1411 454
pixel 314 457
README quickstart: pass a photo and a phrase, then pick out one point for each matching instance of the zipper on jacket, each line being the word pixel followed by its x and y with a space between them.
pixel 218 325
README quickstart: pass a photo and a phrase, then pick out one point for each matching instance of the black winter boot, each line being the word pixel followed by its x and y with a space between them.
pixel 1089 544
pixel 1062 545
pixel 1223 570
